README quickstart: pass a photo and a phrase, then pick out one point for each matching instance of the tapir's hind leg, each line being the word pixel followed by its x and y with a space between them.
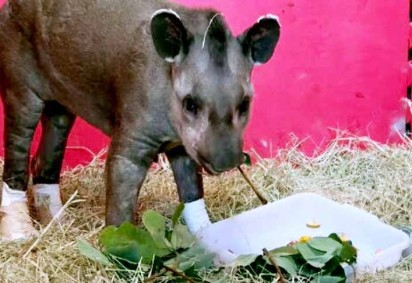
pixel 22 109
pixel 56 124
pixel 24 90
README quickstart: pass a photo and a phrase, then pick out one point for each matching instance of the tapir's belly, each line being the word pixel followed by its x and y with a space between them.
pixel 88 99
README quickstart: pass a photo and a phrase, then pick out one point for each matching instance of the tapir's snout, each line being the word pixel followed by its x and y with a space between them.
pixel 223 155
pixel 222 163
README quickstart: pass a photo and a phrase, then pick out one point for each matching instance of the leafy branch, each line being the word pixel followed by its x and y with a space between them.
pixel 319 259
pixel 165 248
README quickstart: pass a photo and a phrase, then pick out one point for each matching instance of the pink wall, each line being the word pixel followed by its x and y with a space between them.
pixel 339 64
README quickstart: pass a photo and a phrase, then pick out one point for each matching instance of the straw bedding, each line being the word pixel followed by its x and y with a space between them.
pixel 355 170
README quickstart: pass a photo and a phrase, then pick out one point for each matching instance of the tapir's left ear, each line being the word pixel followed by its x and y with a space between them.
pixel 260 40
pixel 169 36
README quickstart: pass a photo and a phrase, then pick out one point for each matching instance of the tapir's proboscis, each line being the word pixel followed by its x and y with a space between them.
pixel 154 76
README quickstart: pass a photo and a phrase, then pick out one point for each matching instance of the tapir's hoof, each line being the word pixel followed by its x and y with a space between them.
pixel 46 209
pixel 16 223
pixel 47 202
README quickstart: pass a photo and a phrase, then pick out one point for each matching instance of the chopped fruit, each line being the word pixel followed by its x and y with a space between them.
pixel 313 224
pixel 305 239
pixel 292 243
pixel 344 238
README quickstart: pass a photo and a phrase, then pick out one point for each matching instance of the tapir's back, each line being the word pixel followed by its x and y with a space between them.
pixel 87 37
pixel 90 38
pixel 82 47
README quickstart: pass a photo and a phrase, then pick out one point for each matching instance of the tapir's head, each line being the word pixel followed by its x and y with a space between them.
pixel 210 72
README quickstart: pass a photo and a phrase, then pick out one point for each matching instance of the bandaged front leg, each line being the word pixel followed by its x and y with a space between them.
pixel 15 221
pixel 47 201
pixel 195 216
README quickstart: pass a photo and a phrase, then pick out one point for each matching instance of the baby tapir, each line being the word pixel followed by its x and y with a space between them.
pixel 154 76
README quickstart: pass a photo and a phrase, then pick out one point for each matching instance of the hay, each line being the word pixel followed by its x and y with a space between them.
pixel 377 178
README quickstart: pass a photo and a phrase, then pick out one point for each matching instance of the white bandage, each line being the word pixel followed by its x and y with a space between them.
pixel 195 216
pixel 47 196
pixel 15 218
pixel 10 196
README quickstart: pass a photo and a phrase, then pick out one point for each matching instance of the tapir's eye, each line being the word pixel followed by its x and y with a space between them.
pixel 190 105
pixel 244 106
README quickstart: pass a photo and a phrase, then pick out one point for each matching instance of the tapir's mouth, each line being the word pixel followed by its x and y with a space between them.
pixel 210 171
pixel 208 167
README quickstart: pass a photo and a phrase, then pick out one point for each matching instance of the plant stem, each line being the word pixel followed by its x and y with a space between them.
pixel 178 273
pixel 155 276
pixel 273 262
pixel 258 194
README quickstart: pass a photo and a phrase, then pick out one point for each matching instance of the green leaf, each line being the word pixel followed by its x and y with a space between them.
pixel 245 260
pixel 248 160
pixel 335 237
pixel 130 243
pixel 329 279
pixel 155 223
pixel 307 252
pixel 288 264
pixel 149 247
pixel 348 253
pixel 129 251
pixel 284 251
pixel 180 264
pixel 196 257
pixel 325 244
pixel 90 252
pixel 181 237
pixel 178 213
pixel 333 268
pixel 121 242
pixel 283 258
pixel 314 257
pixel 201 257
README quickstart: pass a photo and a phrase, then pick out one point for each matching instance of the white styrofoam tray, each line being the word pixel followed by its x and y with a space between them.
pixel 277 224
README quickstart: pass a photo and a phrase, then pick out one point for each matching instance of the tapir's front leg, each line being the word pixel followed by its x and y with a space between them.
pixel 127 165
pixel 190 188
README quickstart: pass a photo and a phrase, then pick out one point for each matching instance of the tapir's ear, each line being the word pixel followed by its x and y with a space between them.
pixel 169 36
pixel 260 40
